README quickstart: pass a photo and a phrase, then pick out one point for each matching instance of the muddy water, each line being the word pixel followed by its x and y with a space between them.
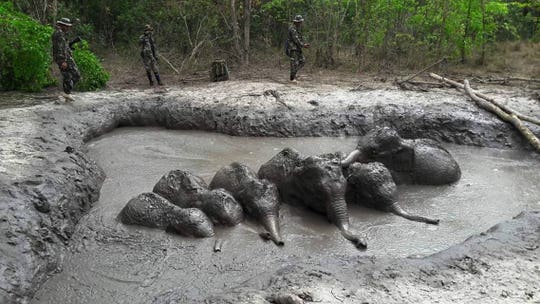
pixel 113 263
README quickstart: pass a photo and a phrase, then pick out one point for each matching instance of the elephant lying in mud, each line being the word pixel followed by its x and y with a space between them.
pixel 416 161
pixel 187 190
pixel 315 182
pixel 259 198
pixel 151 210
pixel 372 185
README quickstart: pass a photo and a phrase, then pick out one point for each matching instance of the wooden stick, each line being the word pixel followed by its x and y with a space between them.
pixel 511 118
pixel 422 71
pixel 276 95
pixel 508 79
pixel 506 108
pixel 169 63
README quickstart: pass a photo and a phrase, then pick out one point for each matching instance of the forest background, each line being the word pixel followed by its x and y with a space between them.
pixel 351 35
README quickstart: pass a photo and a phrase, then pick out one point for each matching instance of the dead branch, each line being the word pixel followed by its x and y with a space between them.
pixel 506 80
pixel 422 71
pixel 511 118
pixel 169 63
pixel 487 98
pixel 277 97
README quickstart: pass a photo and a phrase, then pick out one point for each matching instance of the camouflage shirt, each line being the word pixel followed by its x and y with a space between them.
pixel 148 47
pixel 296 41
pixel 61 49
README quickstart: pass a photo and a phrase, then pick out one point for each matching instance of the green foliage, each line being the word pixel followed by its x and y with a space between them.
pixel 93 76
pixel 25 47
pixel 398 31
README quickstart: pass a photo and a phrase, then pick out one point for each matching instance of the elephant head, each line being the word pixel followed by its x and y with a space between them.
pixel 319 184
pixel 372 185
pixel 259 198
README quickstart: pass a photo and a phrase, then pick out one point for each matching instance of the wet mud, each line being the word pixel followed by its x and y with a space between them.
pixel 48 183
pixel 101 271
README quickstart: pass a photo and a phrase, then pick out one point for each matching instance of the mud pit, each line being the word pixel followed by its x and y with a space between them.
pixel 50 215
pixel 134 264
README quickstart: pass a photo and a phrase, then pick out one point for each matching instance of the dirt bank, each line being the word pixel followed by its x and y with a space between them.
pixel 47 182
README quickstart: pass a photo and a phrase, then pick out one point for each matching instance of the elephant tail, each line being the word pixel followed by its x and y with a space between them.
pixel 397 210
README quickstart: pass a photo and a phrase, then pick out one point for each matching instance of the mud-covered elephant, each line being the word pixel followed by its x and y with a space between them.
pixel 259 198
pixel 151 210
pixel 315 182
pixel 187 190
pixel 371 185
pixel 413 161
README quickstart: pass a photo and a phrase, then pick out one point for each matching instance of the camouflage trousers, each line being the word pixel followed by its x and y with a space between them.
pixel 297 62
pixel 150 63
pixel 70 76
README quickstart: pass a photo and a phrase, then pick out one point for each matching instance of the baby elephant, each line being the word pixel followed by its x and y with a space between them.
pixel 371 184
pixel 318 183
pixel 152 210
pixel 186 190
pixel 259 198
pixel 413 161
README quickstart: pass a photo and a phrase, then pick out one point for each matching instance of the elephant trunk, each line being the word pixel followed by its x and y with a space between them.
pixel 270 223
pixel 354 156
pixel 397 210
pixel 339 215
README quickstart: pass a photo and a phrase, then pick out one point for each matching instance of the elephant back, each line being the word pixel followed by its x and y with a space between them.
pixel 434 165
pixel 192 222
pixel 280 167
pixel 148 209
pixel 233 178
pixel 221 207
pixel 180 187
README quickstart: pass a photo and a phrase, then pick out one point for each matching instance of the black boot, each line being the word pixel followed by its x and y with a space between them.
pixel 149 75
pixel 158 79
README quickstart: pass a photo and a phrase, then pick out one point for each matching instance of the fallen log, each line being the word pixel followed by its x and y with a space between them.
pixel 507 80
pixel 511 118
pixel 487 98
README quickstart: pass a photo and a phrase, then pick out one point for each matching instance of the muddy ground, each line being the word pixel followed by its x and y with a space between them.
pixel 48 183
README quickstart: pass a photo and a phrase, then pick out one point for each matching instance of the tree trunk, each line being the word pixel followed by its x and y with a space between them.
pixel 236 31
pixel 483 52
pixel 466 32
pixel 247 29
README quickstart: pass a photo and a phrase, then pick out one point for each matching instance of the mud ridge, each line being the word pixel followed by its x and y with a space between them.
pixel 47 182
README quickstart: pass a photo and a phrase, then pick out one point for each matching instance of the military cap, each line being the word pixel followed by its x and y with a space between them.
pixel 148 28
pixel 64 21
pixel 298 18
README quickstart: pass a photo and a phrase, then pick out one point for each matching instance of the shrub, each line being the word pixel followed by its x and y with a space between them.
pixel 93 76
pixel 25 51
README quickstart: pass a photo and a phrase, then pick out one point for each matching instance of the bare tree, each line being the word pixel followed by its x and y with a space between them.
pixel 247 29
pixel 241 42
pixel 236 31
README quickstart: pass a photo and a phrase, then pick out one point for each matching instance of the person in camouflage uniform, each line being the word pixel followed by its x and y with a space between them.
pixel 63 57
pixel 295 44
pixel 148 54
